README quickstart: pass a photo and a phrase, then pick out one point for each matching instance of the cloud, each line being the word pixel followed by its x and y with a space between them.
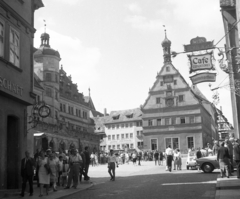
pixel 141 22
pixel 76 57
pixel 134 7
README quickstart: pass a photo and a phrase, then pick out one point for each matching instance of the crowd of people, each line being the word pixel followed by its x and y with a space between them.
pixel 55 169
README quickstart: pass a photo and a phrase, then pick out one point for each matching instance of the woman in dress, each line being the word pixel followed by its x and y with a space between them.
pixel 43 175
pixel 53 163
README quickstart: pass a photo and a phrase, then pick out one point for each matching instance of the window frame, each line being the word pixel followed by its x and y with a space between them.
pixel 11 28
pixel 192 141
pixel 150 122
pixel 158 100
pixel 109 137
pixel 182 100
pixel 181 120
pixel 3 42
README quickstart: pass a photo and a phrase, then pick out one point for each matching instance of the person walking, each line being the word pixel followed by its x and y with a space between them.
pixel 27 172
pixel 229 145
pixel 169 154
pixel 161 157
pixel 139 156
pixel 87 162
pixel 92 156
pixel 43 173
pixel 112 160
pixel 53 163
pixel 215 147
pixel 156 158
pixel 134 156
pixel 223 158
pixel 179 160
pixel 236 156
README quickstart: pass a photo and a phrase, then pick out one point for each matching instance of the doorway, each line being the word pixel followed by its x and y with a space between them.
pixel 12 152
pixel 154 144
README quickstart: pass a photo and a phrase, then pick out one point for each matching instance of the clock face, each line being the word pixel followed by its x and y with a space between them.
pixel 169 102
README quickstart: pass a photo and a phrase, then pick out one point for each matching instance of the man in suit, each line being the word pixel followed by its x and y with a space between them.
pixel 87 163
pixel 236 156
pixel 27 172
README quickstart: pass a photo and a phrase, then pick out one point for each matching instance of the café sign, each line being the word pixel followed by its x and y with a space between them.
pixel 197 44
pixel 6 84
pixel 203 77
pixel 201 62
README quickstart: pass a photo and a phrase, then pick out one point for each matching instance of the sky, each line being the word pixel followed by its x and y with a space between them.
pixel 114 47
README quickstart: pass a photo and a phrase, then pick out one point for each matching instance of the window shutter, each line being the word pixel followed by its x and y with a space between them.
pixel 187 120
pixel 178 120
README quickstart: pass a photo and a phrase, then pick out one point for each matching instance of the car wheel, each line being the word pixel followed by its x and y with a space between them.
pixel 207 167
pixel 187 167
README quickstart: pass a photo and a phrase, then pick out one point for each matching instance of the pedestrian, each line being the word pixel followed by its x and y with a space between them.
pixel 27 172
pixel 87 162
pixel 169 154
pixel 223 158
pixel 215 147
pixel 60 170
pixel 43 172
pixel 236 156
pixel 92 159
pixel 139 156
pixel 127 158
pixel 64 173
pixel 179 160
pixel 156 158
pixel 112 160
pixel 175 159
pixel 96 159
pixel 53 163
pixel 229 145
pixel 161 157
pixel 134 156
pixel 74 161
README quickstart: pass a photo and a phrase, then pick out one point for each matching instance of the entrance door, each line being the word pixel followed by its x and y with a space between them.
pixel 154 144
pixel 44 144
pixel 12 152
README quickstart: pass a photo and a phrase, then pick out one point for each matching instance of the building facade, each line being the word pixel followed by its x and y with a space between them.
pixel 123 130
pixel 69 124
pixel 16 85
pixel 175 114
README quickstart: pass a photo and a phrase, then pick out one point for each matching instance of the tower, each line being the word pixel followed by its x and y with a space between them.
pixel 166 44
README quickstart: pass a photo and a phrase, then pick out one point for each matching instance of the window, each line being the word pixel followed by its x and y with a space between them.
pixel 190 142
pixel 150 123
pixel 56 115
pixel 126 135
pixel 116 117
pixel 64 108
pixel 122 136
pixel 175 82
pixel 161 83
pixel 56 95
pixel 159 122
pixel 131 146
pixel 131 124
pixel 126 125
pixel 173 142
pixel 117 137
pixel 113 137
pixel 56 78
pixel 167 121
pixel 192 119
pixel 182 120
pixel 181 98
pixel 118 146
pixel 174 120
pixel 117 126
pixel 158 99
pixel 123 146
pixel 154 144
pixel 113 126
pixel 48 77
pixel 109 137
pixel 109 147
pixel 61 107
pixel 122 125
pixel 49 92
pixel 131 135
pixel 77 112
pixel 1 39
pixel 113 146
pixel 14 47
pixel 167 68
pixel 139 123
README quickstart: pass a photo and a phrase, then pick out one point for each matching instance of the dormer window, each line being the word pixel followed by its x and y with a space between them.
pixel 116 117
pixel 129 115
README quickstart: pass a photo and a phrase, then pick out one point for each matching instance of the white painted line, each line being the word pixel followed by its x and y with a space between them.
pixel 184 183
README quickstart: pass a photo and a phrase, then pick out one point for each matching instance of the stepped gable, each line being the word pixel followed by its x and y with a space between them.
pixel 69 90
pixel 124 116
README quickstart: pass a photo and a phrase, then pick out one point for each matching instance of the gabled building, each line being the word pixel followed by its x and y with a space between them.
pixel 173 114
pixel 69 123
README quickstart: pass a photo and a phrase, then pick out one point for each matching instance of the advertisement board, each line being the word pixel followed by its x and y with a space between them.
pixel 203 77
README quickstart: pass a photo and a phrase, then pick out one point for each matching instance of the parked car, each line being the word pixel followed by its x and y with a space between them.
pixel 209 163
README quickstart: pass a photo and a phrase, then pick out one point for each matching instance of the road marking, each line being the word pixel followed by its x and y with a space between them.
pixel 183 183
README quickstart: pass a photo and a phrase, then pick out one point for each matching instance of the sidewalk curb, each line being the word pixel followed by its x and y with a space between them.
pixel 92 184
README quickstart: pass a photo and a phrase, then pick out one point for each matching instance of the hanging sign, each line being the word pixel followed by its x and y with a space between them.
pixel 197 44
pixel 203 77
pixel 201 62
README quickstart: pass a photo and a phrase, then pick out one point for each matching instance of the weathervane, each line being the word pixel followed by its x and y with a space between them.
pixel 45 25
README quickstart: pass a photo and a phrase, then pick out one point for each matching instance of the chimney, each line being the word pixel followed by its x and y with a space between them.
pixel 105 112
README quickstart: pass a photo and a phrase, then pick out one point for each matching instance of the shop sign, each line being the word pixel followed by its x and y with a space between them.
pixel 10 86
pixel 201 62
pixel 203 77
pixel 197 44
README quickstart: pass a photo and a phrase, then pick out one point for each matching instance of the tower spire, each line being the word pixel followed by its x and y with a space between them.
pixel 45 37
pixel 166 44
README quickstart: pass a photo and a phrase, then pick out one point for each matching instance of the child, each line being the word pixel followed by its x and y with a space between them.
pixel 64 173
